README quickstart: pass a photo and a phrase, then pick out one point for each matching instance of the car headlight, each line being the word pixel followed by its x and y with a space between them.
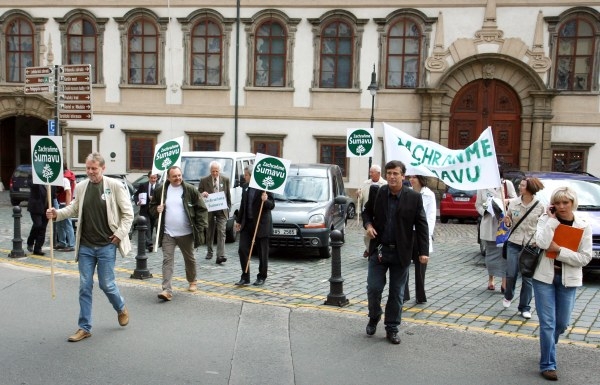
pixel 316 221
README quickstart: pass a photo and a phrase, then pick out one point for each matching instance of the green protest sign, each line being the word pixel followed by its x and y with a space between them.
pixel 269 173
pixel 359 142
pixel 47 160
pixel 167 154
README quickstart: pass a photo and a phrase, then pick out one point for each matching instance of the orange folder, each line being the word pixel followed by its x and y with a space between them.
pixel 566 236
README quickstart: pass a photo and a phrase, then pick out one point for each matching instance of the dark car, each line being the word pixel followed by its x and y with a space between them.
pixel 313 204
pixel 20 184
pixel 458 204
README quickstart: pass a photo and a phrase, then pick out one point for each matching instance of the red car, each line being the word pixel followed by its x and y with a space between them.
pixel 458 204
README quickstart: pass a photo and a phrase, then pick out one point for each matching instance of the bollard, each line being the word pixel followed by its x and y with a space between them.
pixel 17 251
pixel 336 296
pixel 141 259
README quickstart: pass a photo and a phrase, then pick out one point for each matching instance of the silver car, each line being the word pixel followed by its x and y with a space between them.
pixel 314 204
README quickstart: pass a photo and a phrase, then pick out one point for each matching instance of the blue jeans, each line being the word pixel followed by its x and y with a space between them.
pixel 512 273
pixel 64 231
pixel 554 304
pixel 375 285
pixel 104 257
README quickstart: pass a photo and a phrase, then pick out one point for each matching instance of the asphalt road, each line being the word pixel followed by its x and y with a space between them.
pixel 281 333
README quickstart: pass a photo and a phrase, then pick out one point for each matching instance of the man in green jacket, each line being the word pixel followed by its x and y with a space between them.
pixel 183 223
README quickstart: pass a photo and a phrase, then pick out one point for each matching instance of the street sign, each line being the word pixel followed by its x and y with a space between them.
pixel 85 79
pixel 38 71
pixel 80 106
pixel 74 88
pixel 51 127
pixel 75 97
pixel 75 116
pixel 75 68
pixel 39 89
pixel 39 80
pixel 74 92
pixel 39 75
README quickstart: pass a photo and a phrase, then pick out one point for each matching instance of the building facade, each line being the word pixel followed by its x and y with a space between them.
pixel 287 78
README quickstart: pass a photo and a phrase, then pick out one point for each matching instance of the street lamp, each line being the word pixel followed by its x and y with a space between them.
pixel 373 90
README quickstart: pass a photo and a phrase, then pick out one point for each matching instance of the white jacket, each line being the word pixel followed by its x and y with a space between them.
pixel 119 211
pixel 572 261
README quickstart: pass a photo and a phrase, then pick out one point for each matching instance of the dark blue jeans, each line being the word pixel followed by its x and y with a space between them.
pixel 376 280
pixel 512 273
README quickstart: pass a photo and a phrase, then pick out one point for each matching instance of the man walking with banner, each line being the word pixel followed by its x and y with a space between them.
pixel 254 221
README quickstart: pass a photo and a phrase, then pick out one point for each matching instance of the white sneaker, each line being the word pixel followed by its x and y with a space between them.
pixel 506 303
pixel 526 314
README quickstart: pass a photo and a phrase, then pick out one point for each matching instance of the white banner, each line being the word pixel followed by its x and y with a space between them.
pixel 216 201
pixel 473 168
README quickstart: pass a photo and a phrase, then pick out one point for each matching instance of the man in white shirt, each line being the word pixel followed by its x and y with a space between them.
pixel 183 224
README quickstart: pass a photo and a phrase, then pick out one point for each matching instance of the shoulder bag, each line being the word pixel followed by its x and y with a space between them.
pixel 505 245
pixel 528 258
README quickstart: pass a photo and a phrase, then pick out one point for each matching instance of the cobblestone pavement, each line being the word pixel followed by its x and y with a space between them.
pixel 456 281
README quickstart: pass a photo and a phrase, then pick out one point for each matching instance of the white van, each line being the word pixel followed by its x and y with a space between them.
pixel 195 165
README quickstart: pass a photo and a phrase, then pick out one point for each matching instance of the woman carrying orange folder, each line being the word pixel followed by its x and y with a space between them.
pixel 559 271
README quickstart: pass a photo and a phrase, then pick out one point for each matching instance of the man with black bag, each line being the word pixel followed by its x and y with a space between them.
pixel 389 218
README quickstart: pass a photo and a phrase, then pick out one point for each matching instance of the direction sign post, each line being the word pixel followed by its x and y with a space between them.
pixel 39 80
pixel 74 92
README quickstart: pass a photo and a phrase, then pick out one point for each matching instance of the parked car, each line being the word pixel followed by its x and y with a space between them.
pixel 20 184
pixel 313 204
pixel 195 165
pixel 136 183
pixel 458 204
pixel 588 194
pixel 143 179
pixel 350 208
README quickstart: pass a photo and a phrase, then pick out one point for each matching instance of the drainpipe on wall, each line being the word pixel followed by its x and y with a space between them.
pixel 237 75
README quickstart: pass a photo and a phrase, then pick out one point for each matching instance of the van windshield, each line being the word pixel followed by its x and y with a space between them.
pixel 305 188
pixel 195 168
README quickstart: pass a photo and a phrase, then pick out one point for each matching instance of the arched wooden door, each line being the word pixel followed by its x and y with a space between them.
pixel 484 103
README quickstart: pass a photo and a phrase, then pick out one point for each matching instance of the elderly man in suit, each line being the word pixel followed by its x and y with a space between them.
pixel 142 197
pixel 389 218
pixel 217 220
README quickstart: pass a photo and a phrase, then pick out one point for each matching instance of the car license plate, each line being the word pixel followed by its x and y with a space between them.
pixel 596 254
pixel 285 231
pixel 24 189
pixel 462 199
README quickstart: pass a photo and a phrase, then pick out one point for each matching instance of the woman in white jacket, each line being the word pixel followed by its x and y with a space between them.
pixel 556 279
pixel 419 184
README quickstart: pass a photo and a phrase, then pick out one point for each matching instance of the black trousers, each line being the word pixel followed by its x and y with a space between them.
pixel 37 234
pixel 261 248
pixel 420 269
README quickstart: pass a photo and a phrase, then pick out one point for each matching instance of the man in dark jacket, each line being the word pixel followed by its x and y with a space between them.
pixel 182 224
pixel 142 198
pixel 248 215
pixel 389 218
pixel 37 205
